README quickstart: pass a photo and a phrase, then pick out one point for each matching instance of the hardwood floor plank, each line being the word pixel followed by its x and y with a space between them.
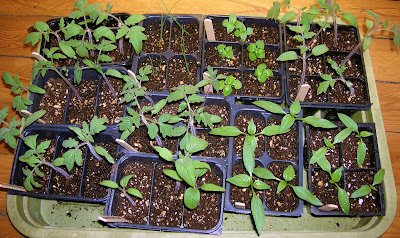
pixel 385 60
pixel 7 229
pixel 6 162
pixel 389 97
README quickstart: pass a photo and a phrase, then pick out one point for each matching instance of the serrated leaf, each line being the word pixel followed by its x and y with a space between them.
pixel 343 200
pixel 104 31
pixel 41 26
pixel 306 195
pixel 323 87
pixel 134 19
pixel 240 180
pixel 30 141
pixel 361 192
pixel 66 49
pixel 109 184
pixel 191 197
pixel 152 130
pixel 195 144
pixel 257 212
pixel 209 187
pixel 101 151
pixel 42 147
pixel 3 113
pixel 270 107
pixel 289 55
pixel 172 174
pixel 114 73
pixel 185 169
pixel 158 106
pixel 33 38
pixel 105 58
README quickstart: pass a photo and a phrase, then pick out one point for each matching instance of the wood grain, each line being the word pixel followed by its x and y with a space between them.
pixel 389 97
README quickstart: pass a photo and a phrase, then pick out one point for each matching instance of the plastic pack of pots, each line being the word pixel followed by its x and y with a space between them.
pixel 83 186
pixel 275 153
pixel 240 66
pixel 353 177
pixel 340 96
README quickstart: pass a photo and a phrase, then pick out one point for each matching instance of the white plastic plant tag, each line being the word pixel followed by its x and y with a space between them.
pixel 240 205
pixel 38 56
pixel 112 219
pixel 26 113
pixel 125 145
pixel 209 29
pixel 328 207
pixel 133 75
pixel 303 92
pixel 208 88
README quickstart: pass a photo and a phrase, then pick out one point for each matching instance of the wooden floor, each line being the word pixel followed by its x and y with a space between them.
pixel 16 16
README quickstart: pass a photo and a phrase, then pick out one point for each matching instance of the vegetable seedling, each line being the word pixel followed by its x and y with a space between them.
pixel 225 51
pixel 366 189
pixel 262 73
pixel 123 183
pixel 241 31
pixel 227 84
pixel 256 50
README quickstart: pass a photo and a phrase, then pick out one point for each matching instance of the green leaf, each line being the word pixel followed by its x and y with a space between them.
pixel 33 38
pixel 342 135
pixel 105 58
pixel 134 19
pixel 361 152
pixel 30 141
pixel 249 146
pixel 172 174
pixel 191 198
pixel 104 31
pixel 288 16
pixel 209 187
pixel 350 18
pixel 109 184
pixel 369 24
pixel 274 11
pixel 164 153
pixel 185 169
pixel 378 177
pixel 282 185
pixel 257 212
pixel 337 174
pixel 101 151
pixel 288 173
pixel 270 107
pixel 318 155
pixel 158 106
pixel 319 122
pixel 361 192
pixel 366 134
pixel 367 42
pixel 306 195
pixel 152 130
pixel 66 49
pixel 80 4
pixel 195 99
pixel 97 125
pixel 287 122
pixel 3 113
pixel 323 87
pixel 41 26
pixel 240 180
pixel 273 130
pixel 325 165
pixel 113 73
pixel 32 118
pixel 195 144
pixel 260 185
pixel 251 128
pixel 343 200
pixel 348 122
pixel 134 192
pixel 226 131
pixel 264 173
pixel 295 108
pixel 289 55
pixel 125 180
pixel 319 50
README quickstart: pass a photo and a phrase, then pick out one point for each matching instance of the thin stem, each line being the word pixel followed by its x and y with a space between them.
pixel 109 85
pixel 68 83
pixel 121 42
pixel 128 197
pixel 93 151
pixel 61 171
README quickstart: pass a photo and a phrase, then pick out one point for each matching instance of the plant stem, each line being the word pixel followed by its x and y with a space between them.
pixel 93 151
pixel 68 83
pixel 61 171
pixel 121 42
pixel 109 85
pixel 128 197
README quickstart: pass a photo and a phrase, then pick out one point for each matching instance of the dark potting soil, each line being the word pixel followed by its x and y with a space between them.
pixel 243 195
pixel 326 192
pixel 368 203
pixel 315 66
pixel 294 82
pixel 190 41
pixel 80 111
pixel 236 74
pixel 48 156
pixel 178 74
pixel 341 93
pixel 141 142
pixel 270 88
pixel 217 145
pixel 269 60
pixel 282 147
pixel 292 43
pixel 346 39
pixel 214 59
pixel 167 199
pixel 286 200
pixel 317 136
pixel 206 215
pixel 269 35
pixel 158 75
pixel 221 33
pixel 350 145
pixel 354 65
pixel 217 110
pixel 141 180
pixel 241 122
pixel 54 101
pixel 109 107
pixel 156 43
pixel 98 171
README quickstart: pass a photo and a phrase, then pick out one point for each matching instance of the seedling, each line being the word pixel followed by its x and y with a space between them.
pixel 225 51
pixel 256 50
pixel 123 183
pixel 85 138
pixel 229 23
pixel 366 189
pixel 214 78
pixel 262 73
pixel 227 84
pixel 144 72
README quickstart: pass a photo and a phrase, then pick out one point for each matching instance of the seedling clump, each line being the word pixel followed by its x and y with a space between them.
pixel 262 73
pixel 225 51
pixel 241 30
pixel 256 50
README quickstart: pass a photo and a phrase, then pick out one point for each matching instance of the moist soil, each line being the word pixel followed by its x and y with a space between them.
pixel 315 66
pixel 214 59
pixel 243 195
pixel 141 180
pixel 242 122
pixel 284 146
pixel 316 141
pixel 155 43
pixel 368 203
pixel 341 93
pixel 109 106
pixel 54 101
pixel 270 59
pixel 326 192
pixel 227 72
pixel 190 41
pixel 354 66
pixel 98 171
pixel 286 200
pixel 292 43
pixel 217 145
pixel 178 74
pixel 252 87
pixel 206 215
pixel 158 75
pixel 350 145
pixel 80 111
pixel 167 199
pixel 269 35
pixel 141 142
pixel 294 82
pixel 222 35
pixel 346 39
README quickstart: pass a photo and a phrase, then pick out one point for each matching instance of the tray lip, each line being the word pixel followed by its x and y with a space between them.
pixel 376 227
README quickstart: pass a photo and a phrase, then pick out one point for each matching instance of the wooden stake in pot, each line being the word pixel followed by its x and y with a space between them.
pixel 208 25
pixel 208 88
pixel 303 92
pixel 125 145
pixel 12 187
pixel 112 219
pixel 26 113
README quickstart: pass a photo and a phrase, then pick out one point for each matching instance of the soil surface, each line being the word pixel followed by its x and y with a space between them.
pixel 284 146
pixel 190 41
pixel 272 87
pixel 109 106
pixel 80 111
pixel 315 66
pixel 286 200
pixel 292 43
pixel 178 74
pixel 242 122
pixel 350 145
pixel 54 101
pixel 346 39
pixel 214 59
pixel 326 192
pixel 294 82
pixel 354 66
pixel 141 142
pixel 157 39
pixel 316 141
pixel 221 34
pixel 271 54
pixel 142 176
pixel 269 35
pixel 217 145
pixel 158 75
pixel 341 93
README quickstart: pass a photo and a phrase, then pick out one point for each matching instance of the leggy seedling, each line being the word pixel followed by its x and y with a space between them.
pixel 123 183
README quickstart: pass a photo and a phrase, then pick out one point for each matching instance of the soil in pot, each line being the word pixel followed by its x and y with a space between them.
pixel 141 180
pixel 190 41
pixel 349 146
pixel 167 199
pixel 354 65
pixel 271 54
pixel 109 107
pixel 267 34
pixel 284 146
pixel 270 88
pixel 242 122
pixel 341 93
pixel 346 39
pixel 141 142
pixel 206 215
pixel 178 73
pixel 326 192
pixel 243 195
pixel 213 58
pixel 311 96
pixel 316 141
pixel 286 200
pixel 96 172
pixel 368 203
pixel 217 145
pixel 157 37
pixel 158 75
pixel 293 43
pixel 315 66
pixel 80 111
pixel 221 33
pixel 227 72
pixel 54 101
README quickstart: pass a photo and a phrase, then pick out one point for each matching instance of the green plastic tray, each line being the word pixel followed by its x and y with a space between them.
pixel 48 218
